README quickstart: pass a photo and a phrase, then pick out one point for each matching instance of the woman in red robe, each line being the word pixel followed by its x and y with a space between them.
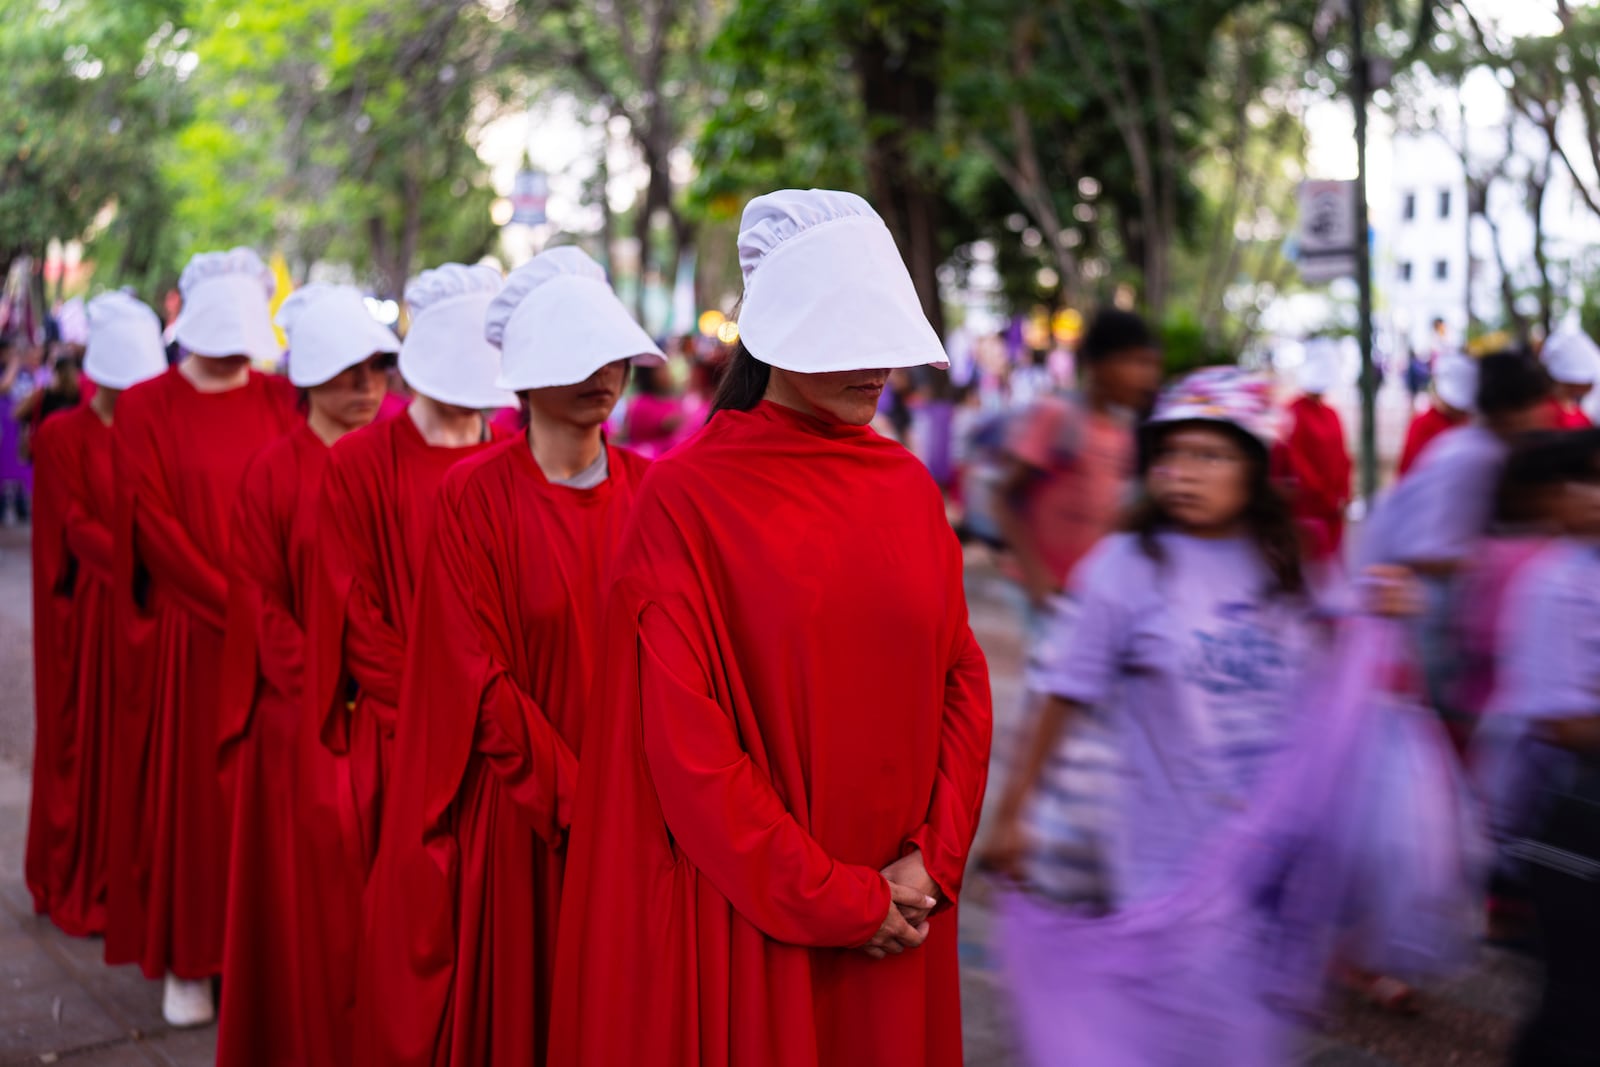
pixel 292 851
pixel 376 511
pixel 784 769
pixel 1573 362
pixel 1311 461
pixel 182 442
pixel 505 652
pixel 75 632
pixel 1455 388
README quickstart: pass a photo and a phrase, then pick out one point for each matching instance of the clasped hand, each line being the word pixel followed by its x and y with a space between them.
pixel 912 896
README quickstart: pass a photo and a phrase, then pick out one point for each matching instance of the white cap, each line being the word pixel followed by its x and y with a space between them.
pixel 1455 380
pixel 1571 357
pixel 330 330
pixel 125 346
pixel 557 321
pixel 445 356
pixel 1319 372
pixel 225 311
pixel 825 288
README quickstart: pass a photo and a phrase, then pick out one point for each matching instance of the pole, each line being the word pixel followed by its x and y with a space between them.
pixel 1369 377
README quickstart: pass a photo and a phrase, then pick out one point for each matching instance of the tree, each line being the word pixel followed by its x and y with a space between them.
pixel 92 92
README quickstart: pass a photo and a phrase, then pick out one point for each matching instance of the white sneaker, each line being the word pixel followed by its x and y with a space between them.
pixel 186 1004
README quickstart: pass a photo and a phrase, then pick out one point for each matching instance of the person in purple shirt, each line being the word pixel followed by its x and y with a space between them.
pixel 1541 745
pixel 1432 521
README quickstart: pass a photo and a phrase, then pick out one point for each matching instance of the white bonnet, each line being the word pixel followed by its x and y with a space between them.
pixel 225 312
pixel 1571 357
pixel 445 356
pixel 1455 381
pixel 557 321
pixel 124 346
pixel 826 288
pixel 330 330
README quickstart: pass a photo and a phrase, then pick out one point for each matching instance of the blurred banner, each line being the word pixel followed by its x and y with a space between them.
pixel 530 191
pixel 1327 243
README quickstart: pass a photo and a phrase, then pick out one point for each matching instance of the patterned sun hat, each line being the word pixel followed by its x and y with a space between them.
pixel 1228 395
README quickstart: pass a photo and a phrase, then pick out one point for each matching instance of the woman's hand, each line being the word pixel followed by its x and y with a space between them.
pixel 896 934
pixel 909 871
pixel 1393 592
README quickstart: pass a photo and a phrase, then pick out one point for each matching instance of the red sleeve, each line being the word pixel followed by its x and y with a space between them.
pixel 264 640
pixel 726 817
pixel 964 739
pixel 1418 434
pixel 374 653
pixel 159 542
pixel 468 697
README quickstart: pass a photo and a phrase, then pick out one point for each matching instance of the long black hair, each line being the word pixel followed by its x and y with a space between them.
pixel 1267 519
pixel 744 382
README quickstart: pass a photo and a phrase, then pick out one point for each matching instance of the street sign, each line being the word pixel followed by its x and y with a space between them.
pixel 530 191
pixel 1327 245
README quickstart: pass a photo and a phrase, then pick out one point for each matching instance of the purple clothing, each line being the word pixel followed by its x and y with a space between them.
pixel 1547 667
pixel 1192 665
pixel 1441 509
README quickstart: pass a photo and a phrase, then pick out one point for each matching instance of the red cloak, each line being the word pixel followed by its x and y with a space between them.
pixel 1565 416
pixel 792 700
pixel 1423 429
pixel 1313 462
pixel 377 505
pixel 74 636
pixel 276 952
pixel 180 455
pixel 504 657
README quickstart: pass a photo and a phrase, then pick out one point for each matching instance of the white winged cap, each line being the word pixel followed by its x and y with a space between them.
pixel 225 306
pixel 330 330
pixel 557 321
pixel 1572 358
pixel 125 346
pixel 445 356
pixel 825 288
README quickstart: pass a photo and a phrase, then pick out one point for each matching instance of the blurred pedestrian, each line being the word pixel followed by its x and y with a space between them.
pixel 506 650
pixel 22 375
pixel 1573 362
pixel 1455 394
pixel 1312 463
pixel 75 634
pixel 654 422
pixel 771 834
pixel 1189 633
pixel 378 504
pixel 1551 686
pixel 1072 458
pixel 292 853
pixel 182 443
pixel 1433 520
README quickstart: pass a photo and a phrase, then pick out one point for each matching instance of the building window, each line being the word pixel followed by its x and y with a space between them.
pixel 1408 209
pixel 1441 269
pixel 1444 203
pixel 1405 271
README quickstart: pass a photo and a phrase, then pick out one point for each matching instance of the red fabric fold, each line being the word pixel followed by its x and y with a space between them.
pixel 792 695
pixel 182 454
pixel 505 638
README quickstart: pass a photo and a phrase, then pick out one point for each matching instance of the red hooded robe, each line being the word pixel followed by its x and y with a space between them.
pixel 180 456
pixel 276 1003
pixel 1423 429
pixel 505 654
pixel 1315 464
pixel 74 639
pixel 376 511
pixel 792 700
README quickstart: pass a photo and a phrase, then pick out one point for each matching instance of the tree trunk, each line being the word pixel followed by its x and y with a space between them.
pixel 900 92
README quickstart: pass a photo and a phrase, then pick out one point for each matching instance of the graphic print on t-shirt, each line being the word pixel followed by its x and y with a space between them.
pixel 1238 662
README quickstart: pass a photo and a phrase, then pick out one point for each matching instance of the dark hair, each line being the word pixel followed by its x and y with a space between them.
pixel 1266 515
pixel 1509 382
pixel 744 382
pixel 1543 460
pixel 652 380
pixel 1111 331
